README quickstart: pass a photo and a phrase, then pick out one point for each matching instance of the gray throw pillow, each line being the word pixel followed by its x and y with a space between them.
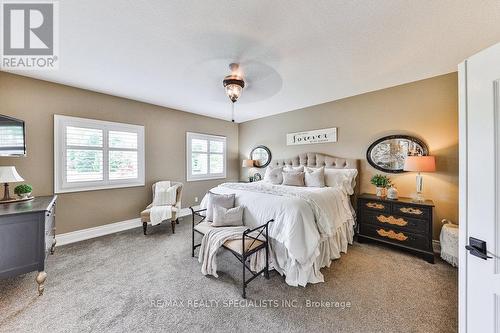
pixel 293 178
pixel 289 168
pixel 273 175
pixel 315 177
pixel 227 217
pixel 222 200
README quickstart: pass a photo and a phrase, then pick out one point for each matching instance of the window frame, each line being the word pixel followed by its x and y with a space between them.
pixel 60 154
pixel 208 137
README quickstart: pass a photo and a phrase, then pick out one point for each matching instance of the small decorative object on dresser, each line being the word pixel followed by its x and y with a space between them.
pixel 392 193
pixel 257 176
pixel 380 182
pixel 402 223
pixel 27 236
pixel 23 191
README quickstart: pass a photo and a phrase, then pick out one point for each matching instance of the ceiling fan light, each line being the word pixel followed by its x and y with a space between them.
pixel 234 86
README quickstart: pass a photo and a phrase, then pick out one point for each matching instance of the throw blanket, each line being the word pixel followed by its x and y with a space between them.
pixel 214 239
pixel 165 198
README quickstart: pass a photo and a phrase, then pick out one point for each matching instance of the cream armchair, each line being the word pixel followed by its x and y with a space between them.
pixel 145 214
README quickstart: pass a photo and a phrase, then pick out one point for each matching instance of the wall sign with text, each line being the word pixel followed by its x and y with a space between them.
pixel 309 137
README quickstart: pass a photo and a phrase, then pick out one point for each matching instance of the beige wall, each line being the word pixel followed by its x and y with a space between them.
pixel 427 109
pixel 37 101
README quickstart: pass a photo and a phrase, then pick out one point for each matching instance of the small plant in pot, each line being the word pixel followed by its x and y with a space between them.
pixel 23 191
pixel 381 182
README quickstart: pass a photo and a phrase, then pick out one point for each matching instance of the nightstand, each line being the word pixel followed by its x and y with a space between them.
pixel 401 223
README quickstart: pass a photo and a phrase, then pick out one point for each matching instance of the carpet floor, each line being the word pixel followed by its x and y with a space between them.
pixel 130 282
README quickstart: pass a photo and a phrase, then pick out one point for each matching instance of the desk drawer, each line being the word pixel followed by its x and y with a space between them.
pixel 418 212
pixel 394 221
pixel 374 205
pixel 395 236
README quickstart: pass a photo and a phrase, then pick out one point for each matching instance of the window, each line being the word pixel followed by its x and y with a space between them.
pixel 94 154
pixel 206 156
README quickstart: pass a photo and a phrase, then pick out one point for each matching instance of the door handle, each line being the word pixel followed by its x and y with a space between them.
pixel 477 248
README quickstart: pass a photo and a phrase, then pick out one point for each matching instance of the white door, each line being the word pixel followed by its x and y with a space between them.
pixel 479 282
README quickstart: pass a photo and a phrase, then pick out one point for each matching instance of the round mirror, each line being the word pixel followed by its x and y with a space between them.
pixel 388 154
pixel 261 156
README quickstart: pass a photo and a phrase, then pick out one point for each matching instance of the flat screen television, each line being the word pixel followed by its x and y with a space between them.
pixel 12 137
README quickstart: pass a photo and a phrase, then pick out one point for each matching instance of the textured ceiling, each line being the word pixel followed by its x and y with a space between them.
pixel 293 53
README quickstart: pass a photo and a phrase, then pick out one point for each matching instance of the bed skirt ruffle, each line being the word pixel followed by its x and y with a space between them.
pixel 330 248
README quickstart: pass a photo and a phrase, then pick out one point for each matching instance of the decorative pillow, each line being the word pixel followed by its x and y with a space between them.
pixel 227 217
pixel 273 175
pixel 293 178
pixel 315 178
pixel 222 200
pixel 165 196
pixel 341 177
pixel 289 168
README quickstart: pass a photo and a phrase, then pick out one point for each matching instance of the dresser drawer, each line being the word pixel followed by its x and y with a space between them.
pixel 418 212
pixel 393 221
pixel 374 205
pixel 395 236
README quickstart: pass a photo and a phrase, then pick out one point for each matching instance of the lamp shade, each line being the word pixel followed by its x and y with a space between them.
pixel 8 174
pixel 420 163
pixel 247 164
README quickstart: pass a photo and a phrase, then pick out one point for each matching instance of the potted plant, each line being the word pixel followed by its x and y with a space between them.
pixel 381 182
pixel 23 191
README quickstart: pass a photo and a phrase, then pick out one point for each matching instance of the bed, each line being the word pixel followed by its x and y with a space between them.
pixel 312 226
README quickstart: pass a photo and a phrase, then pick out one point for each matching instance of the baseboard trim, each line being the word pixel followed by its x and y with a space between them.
pixel 436 246
pixel 84 234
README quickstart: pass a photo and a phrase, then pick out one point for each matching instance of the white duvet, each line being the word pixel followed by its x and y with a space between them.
pixel 311 226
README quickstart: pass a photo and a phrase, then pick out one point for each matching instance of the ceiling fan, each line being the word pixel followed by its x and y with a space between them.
pixel 233 84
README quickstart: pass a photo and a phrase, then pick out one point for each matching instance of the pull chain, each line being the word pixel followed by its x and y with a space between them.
pixel 232 112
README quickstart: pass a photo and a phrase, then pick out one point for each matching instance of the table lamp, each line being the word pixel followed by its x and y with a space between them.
pixel 8 174
pixel 248 164
pixel 420 164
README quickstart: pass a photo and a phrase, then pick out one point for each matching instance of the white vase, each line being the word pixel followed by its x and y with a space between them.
pixel 392 193
pixel 380 191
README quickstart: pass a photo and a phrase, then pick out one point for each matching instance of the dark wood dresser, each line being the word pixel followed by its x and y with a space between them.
pixel 27 236
pixel 402 223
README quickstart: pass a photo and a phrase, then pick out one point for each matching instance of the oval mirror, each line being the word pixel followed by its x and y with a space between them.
pixel 388 154
pixel 261 156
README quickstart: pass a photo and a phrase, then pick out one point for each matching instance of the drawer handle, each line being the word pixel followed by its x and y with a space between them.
pixel 375 205
pixel 410 210
pixel 392 220
pixel 392 235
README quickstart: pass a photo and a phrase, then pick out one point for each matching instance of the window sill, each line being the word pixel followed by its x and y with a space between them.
pixel 205 178
pixel 97 188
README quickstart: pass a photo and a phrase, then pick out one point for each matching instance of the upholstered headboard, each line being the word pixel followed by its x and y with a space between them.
pixel 317 160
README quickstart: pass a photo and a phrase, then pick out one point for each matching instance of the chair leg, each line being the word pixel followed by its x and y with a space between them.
pixel 173 226
pixel 244 282
pixel 144 227
pixel 266 274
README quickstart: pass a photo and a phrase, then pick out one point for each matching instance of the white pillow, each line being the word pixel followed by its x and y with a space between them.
pixel 274 175
pixel 341 177
pixel 218 200
pixel 165 196
pixel 289 168
pixel 224 217
pixel 315 178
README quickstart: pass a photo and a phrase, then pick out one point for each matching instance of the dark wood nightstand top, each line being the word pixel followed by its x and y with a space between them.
pixel 404 200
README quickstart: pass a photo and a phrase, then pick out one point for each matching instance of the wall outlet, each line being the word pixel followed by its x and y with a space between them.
pixel 195 199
